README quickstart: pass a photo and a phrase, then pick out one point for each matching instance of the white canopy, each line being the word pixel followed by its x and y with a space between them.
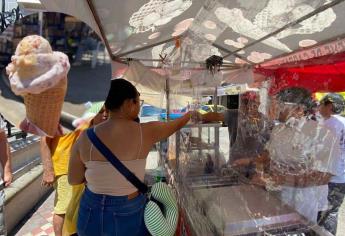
pixel 181 34
pixel 250 30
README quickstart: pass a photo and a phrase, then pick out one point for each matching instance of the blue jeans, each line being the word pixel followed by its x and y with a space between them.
pixel 111 215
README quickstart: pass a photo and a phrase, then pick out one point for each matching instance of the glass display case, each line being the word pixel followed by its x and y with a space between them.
pixel 219 198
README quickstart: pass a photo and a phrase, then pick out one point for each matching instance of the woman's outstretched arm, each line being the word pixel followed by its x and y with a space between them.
pixel 162 130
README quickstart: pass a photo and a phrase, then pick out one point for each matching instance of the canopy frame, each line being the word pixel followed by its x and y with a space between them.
pixel 229 52
pixel 118 57
pixel 98 22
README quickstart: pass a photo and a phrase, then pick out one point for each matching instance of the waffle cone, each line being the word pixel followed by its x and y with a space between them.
pixel 44 109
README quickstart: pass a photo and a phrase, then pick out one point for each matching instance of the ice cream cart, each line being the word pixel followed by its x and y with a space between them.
pixel 162 46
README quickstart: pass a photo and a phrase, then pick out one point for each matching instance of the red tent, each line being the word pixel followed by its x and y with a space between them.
pixel 322 74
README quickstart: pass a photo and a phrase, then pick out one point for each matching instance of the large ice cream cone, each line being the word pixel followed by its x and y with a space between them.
pixel 39 75
pixel 44 109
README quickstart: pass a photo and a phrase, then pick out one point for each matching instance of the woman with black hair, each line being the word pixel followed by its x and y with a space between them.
pixel 111 205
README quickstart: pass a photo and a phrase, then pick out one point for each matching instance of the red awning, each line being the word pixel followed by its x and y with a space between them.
pixel 323 74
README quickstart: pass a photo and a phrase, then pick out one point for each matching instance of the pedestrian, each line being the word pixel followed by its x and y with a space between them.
pixel 330 108
pixel 247 127
pixel 71 216
pixel 55 154
pixel 6 174
pixel 299 158
pixel 111 205
pixel 88 43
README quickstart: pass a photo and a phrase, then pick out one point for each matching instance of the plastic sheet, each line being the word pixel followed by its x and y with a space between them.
pixel 264 172
pixel 262 169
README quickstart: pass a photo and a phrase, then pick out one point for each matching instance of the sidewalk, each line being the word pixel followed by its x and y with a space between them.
pixel 40 222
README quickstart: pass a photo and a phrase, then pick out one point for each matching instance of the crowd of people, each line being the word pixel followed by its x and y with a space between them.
pixel 300 152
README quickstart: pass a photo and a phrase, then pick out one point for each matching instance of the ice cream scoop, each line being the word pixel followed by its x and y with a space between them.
pixel 35 67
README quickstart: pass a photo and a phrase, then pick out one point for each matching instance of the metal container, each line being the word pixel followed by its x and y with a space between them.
pixel 247 209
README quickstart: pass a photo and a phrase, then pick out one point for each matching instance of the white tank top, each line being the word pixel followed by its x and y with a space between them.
pixel 102 178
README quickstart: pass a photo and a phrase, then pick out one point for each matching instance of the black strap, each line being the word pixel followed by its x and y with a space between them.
pixel 116 162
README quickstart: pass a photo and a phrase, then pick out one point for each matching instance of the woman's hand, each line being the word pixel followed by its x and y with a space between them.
pixel 194 116
pixel 8 177
pixel 48 178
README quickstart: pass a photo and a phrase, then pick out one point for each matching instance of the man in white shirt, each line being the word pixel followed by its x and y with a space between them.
pixel 331 106
pixel 299 156
pixel 301 163
pixel 6 175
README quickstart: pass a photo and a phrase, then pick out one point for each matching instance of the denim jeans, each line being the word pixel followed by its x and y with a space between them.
pixel 329 218
pixel 111 215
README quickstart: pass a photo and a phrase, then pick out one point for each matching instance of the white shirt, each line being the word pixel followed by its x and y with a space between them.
pixel 298 147
pixel 337 124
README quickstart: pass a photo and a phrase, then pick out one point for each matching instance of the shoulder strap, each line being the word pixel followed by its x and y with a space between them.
pixel 116 162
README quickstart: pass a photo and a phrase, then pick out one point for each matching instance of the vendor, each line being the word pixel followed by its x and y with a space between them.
pixel 248 129
pixel 300 156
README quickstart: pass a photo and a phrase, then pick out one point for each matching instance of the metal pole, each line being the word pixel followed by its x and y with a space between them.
pixel 189 62
pixel 215 98
pixel 99 24
pixel 145 47
pixel 167 92
pixel 216 133
pixel 2 17
pixel 40 22
pixel 177 135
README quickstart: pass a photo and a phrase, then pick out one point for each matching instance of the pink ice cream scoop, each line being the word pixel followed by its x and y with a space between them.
pixel 35 67
pixel 39 74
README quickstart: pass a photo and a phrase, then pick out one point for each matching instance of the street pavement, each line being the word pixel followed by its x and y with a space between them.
pixel 40 221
